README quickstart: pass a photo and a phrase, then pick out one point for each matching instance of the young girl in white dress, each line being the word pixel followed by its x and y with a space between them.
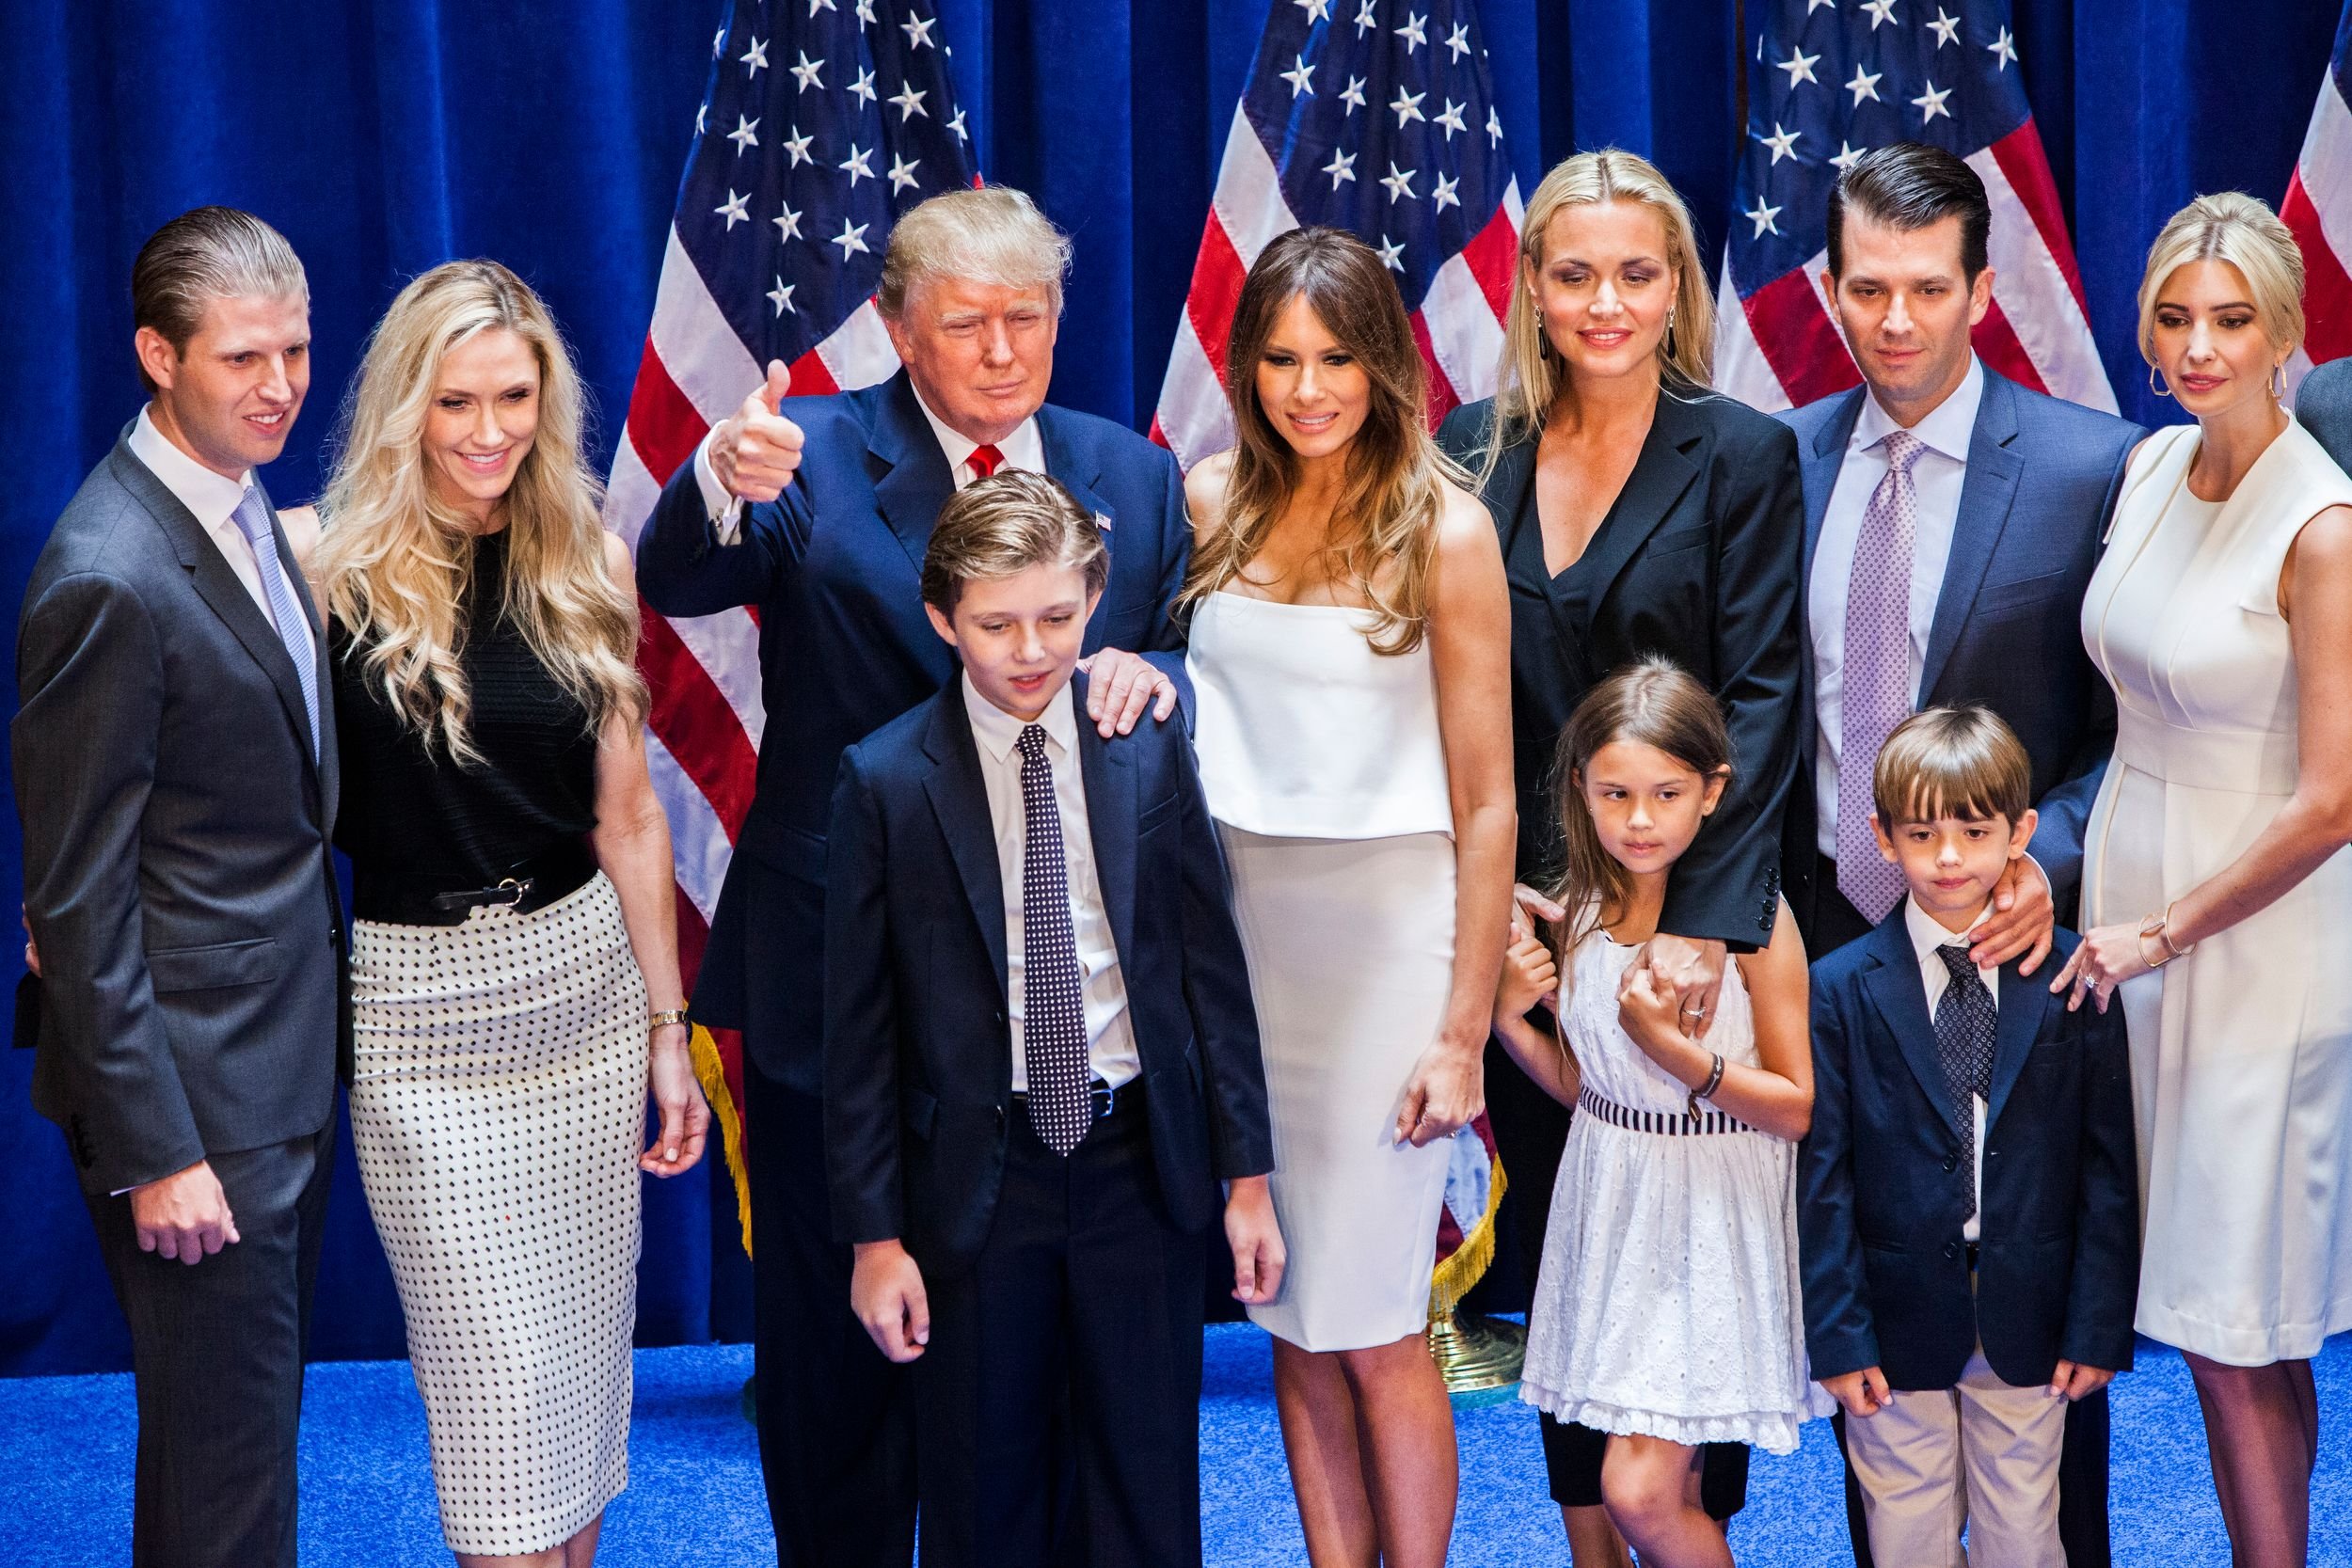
pixel 1667 1311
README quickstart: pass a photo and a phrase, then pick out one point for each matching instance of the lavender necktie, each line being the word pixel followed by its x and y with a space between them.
pixel 294 625
pixel 1875 692
pixel 1053 1014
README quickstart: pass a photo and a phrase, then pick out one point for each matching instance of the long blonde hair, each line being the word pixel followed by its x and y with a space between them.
pixel 1528 382
pixel 395 563
pixel 1394 493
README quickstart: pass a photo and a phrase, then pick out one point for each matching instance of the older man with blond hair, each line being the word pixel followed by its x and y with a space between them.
pixel 817 510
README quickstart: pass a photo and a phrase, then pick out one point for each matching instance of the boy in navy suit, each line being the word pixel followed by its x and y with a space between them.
pixel 1967 1204
pixel 1040 1059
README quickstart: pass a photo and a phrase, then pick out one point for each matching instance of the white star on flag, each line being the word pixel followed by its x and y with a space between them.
pixel 816 6
pixel 1865 83
pixel 732 210
pixel 864 86
pixel 1415 32
pixel 781 296
pixel 1798 65
pixel 1452 118
pixel 1407 106
pixel 1317 11
pixel 1354 96
pixel 1392 251
pixel 1763 218
pixel 1301 77
pixel 1783 143
pixel 956 126
pixel 1847 156
pixel 1879 12
pixel 787 224
pixel 808 72
pixel 797 145
pixel 2005 48
pixel 755 60
pixel 1931 102
pixel 1946 29
pixel 902 173
pixel 853 237
pixel 909 103
pixel 1443 196
pixel 1457 41
pixel 1399 181
pixel 918 32
pixel 1342 167
pixel 744 136
pixel 1364 20
pixel 857 166
pixel 1494 126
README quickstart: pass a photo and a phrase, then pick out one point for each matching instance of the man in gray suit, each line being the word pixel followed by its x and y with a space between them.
pixel 2323 405
pixel 1952 523
pixel 175 776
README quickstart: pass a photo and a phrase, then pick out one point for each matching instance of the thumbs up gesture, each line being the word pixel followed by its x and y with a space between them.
pixel 754 450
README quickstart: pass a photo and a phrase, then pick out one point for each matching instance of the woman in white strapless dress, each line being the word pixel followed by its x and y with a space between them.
pixel 1350 659
pixel 2215 881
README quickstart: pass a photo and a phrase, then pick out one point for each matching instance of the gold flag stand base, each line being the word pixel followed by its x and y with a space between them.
pixel 1479 1357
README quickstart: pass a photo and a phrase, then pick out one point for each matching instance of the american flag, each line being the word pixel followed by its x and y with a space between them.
pixel 1829 81
pixel 819 126
pixel 1372 115
pixel 2319 209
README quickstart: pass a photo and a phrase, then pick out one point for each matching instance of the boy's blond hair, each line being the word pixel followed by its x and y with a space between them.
pixel 1003 525
pixel 1951 762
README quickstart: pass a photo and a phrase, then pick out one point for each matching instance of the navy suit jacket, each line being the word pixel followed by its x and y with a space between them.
pixel 918 1053
pixel 834 568
pixel 2042 478
pixel 1882 1180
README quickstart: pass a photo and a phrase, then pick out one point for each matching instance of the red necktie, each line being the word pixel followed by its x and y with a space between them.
pixel 985 461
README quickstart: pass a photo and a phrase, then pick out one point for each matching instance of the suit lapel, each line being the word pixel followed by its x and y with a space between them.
pixel 216 584
pixel 1661 474
pixel 2023 1001
pixel 1896 989
pixel 1985 496
pixel 1079 475
pixel 1820 466
pixel 959 798
pixel 1109 774
pixel 917 483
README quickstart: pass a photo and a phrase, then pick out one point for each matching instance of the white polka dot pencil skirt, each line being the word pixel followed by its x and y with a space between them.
pixel 497 1102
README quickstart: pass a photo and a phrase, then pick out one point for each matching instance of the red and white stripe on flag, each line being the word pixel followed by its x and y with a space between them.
pixel 1780 348
pixel 2318 208
pixel 1458 324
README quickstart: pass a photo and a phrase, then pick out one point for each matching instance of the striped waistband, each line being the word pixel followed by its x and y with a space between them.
pixel 1671 1123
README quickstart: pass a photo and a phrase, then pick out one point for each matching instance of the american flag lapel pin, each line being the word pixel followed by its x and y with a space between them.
pixel 1102 521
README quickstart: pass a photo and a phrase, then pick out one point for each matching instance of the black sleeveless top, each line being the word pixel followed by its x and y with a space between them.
pixel 413 813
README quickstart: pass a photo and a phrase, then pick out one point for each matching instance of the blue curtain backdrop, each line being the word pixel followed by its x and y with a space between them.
pixel 387 136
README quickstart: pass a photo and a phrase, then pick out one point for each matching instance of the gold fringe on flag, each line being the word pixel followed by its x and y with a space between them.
pixel 712 1073
pixel 1452 1279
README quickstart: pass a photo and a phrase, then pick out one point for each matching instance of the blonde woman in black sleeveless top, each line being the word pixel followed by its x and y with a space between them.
pixel 515 976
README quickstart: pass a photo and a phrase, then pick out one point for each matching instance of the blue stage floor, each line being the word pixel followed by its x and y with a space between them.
pixel 694 1498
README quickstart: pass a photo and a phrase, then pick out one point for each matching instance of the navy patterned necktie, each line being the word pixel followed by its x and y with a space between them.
pixel 1967 1022
pixel 1053 1019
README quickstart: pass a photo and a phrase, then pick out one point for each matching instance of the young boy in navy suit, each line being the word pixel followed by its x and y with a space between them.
pixel 1967 1198
pixel 1040 1059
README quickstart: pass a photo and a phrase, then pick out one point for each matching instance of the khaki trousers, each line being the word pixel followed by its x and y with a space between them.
pixel 1983 1453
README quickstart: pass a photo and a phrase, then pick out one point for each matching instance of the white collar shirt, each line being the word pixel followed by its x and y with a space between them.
pixel 1023 449
pixel 1928 934
pixel 1110 1032
pixel 1939 475
pixel 210 499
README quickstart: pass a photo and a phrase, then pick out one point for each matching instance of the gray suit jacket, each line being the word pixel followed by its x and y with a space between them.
pixel 2323 405
pixel 178 875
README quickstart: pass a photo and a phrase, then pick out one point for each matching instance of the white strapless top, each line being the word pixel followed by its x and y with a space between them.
pixel 1304 732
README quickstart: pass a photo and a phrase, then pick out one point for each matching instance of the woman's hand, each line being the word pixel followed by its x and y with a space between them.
pixel 1445 1094
pixel 1651 1009
pixel 685 1115
pixel 2108 957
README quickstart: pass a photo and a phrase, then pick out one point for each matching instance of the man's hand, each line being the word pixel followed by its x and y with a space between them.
pixel 184 1215
pixel 754 450
pixel 2020 921
pixel 1863 1393
pixel 886 1294
pixel 1696 970
pixel 1119 686
pixel 2071 1381
pixel 1259 1258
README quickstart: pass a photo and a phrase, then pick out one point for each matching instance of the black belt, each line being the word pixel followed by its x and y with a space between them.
pixel 1104 1099
pixel 525 887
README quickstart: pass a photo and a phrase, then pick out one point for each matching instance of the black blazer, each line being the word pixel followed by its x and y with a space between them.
pixel 2042 479
pixel 1881 1181
pixel 177 869
pixel 833 566
pixel 1697 562
pixel 918 1053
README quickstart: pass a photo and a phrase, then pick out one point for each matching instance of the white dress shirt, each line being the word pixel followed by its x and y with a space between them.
pixel 1023 449
pixel 1110 1034
pixel 1928 934
pixel 1938 474
pixel 210 499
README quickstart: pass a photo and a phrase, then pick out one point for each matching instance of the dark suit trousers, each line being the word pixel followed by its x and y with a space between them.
pixel 836 1420
pixel 217 1354
pixel 1530 1131
pixel 1070 1348
pixel 2083 1459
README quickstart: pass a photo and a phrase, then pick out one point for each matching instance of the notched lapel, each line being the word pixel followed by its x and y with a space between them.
pixel 1108 768
pixel 916 483
pixel 1661 475
pixel 1986 496
pixel 1819 466
pixel 2024 1001
pixel 1902 1001
pixel 959 798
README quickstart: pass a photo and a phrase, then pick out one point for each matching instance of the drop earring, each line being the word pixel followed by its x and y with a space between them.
pixel 2155 385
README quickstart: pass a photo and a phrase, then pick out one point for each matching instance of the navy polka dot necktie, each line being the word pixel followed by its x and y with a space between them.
pixel 1967 1023
pixel 1053 1020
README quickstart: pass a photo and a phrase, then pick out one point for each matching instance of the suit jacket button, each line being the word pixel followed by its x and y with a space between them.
pixel 1000 1115
pixel 1951 1249
pixel 1000 1016
pixel 1951 1162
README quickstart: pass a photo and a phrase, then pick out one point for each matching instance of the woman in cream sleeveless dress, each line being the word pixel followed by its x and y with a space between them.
pixel 2217 888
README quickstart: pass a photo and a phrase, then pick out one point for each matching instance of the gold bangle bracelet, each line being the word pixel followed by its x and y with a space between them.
pixel 666 1017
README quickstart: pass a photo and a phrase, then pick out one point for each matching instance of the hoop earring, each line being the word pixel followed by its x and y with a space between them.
pixel 2279 382
pixel 2156 386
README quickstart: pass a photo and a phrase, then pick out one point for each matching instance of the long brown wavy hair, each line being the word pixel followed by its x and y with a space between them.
pixel 1652 703
pixel 1394 493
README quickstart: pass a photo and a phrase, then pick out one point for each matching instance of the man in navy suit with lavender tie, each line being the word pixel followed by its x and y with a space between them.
pixel 1952 522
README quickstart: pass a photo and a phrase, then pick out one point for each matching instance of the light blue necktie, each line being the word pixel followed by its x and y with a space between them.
pixel 294 625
